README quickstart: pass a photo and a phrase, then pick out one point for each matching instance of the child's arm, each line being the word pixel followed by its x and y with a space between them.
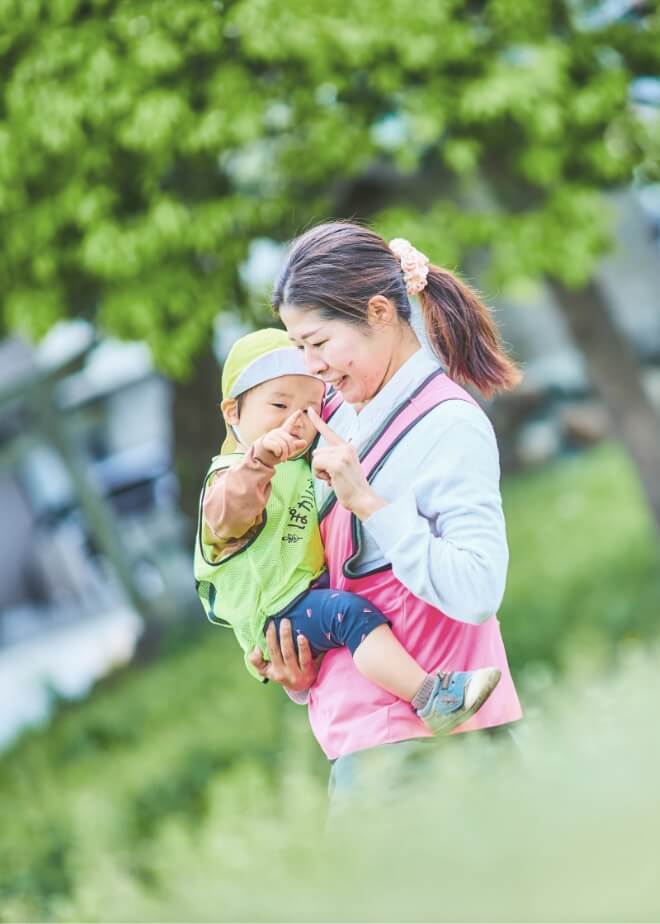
pixel 235 501
pixel 236 497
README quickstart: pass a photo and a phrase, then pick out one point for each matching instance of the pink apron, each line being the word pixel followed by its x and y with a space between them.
pixel 347 712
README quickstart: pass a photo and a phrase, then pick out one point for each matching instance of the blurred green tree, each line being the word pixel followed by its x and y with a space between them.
pixel 144 145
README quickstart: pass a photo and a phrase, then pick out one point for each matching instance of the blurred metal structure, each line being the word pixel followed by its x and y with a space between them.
pixel 88 526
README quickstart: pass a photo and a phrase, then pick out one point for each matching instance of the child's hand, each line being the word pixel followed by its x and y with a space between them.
pixel 281 444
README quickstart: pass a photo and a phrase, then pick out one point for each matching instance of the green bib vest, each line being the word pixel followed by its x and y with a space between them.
pixel 278 565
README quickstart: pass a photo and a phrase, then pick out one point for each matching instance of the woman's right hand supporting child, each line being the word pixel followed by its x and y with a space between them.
pixel 291 663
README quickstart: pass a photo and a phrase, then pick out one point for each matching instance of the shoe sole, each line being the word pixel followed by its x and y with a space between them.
pixel 484 694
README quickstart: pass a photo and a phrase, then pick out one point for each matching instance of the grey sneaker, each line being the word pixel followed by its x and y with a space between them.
pixel 456 696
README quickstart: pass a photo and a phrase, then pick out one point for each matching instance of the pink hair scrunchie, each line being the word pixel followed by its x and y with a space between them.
pixel 414 264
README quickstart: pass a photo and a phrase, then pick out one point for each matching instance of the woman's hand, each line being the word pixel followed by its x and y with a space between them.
pixel 338 464
pixel 290 665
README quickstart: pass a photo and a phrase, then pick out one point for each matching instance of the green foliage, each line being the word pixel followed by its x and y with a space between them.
pixel 188 791
pixel 147 745
pixel 584 562
pixel 144 145
pixel 542 835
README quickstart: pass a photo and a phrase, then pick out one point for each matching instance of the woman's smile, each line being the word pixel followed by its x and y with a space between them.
pixel 338 384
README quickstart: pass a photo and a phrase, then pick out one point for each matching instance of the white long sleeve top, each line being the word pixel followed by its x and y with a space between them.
pixel 443 528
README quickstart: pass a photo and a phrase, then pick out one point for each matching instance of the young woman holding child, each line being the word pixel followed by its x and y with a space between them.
pixel 406 482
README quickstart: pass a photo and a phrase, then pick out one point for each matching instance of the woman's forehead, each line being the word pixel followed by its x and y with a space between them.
pixel 301 325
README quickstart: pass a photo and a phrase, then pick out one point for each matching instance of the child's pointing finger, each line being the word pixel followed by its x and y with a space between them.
pixel 291 421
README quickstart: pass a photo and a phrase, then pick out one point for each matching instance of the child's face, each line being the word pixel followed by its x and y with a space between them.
pixel 267 406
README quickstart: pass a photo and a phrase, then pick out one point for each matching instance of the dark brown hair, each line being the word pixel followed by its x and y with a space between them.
pixel 336 267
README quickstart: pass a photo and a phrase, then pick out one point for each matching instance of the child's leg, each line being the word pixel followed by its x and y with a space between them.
pixel 382 659
pixel 333 619
pixel 443 700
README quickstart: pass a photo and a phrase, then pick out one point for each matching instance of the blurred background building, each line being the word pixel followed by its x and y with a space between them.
pixel 65 618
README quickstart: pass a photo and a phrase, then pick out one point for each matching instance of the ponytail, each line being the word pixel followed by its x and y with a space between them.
pixel 464 336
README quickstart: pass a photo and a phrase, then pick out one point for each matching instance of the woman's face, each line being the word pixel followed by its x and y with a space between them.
pixel 353 358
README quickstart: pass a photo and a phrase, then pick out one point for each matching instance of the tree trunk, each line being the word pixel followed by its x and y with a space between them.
pixel 198 429
pixel 615 374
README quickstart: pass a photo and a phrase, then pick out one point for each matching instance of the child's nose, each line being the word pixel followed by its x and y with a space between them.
pixel 298 426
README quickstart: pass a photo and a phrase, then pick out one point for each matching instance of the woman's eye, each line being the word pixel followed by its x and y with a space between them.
pixel 322 343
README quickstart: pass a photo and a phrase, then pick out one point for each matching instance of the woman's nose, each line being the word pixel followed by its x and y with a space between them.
pixel 314 363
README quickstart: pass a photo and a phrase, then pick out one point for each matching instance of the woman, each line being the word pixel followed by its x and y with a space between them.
pixel 407 477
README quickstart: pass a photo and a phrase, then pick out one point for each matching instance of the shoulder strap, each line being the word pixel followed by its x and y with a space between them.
pixel 437 389
pixel 331 404
pixel 434 391
pixel 388 434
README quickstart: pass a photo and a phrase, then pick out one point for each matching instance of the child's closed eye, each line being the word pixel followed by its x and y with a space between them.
pixel 281 406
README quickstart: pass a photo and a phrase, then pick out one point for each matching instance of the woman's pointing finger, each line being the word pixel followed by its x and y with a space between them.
pixel 326 432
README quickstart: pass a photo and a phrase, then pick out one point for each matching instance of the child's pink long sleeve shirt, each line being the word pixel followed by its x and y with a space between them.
pixel 235 500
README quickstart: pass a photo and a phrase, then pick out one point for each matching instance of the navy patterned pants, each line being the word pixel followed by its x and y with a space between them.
pixel 330 618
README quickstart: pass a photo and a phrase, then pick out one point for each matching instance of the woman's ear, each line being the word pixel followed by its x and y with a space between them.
pixel 229 408
pixel 380 310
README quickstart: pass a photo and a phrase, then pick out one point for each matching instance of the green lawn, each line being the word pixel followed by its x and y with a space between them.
pixel 103 802
pixel 585 562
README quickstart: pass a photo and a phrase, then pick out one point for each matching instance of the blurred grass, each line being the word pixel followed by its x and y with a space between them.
pixel 585 562
pixel 185 791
